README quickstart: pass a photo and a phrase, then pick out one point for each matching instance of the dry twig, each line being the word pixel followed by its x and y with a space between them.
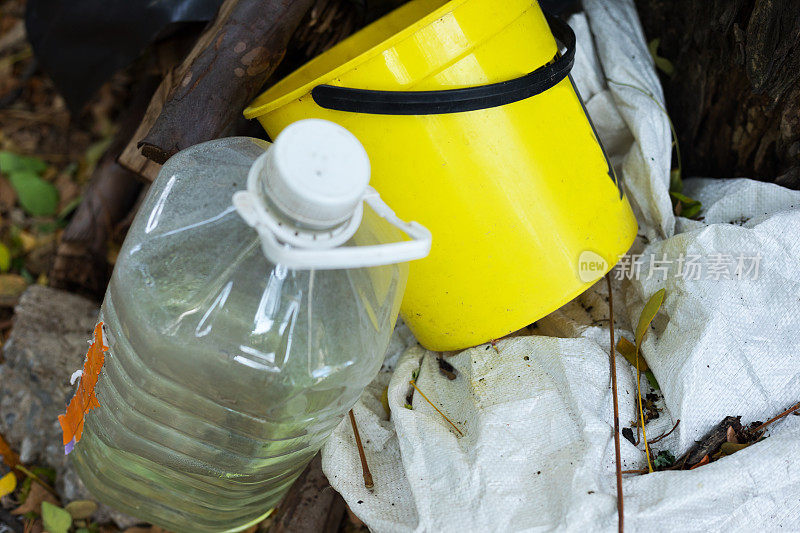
pixel 364 466
pixel 620 502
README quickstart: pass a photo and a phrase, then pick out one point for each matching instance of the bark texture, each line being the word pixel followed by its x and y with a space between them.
pixel 310 505
pixel 225 70
pixel 735 93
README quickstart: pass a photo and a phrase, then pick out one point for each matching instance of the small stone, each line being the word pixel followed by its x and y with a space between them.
pixel 48 342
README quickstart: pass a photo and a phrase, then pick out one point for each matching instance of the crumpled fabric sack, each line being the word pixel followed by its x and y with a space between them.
pixel 537 450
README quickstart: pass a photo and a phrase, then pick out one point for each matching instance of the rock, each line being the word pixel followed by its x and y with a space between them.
pixel 47 344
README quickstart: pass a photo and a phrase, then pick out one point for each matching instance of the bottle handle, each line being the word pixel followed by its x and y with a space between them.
pixel 255 215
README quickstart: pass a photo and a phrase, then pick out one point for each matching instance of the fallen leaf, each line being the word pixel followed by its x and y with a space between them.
pixel 33 526
pixel 675 182
pixel 81 509
pixel 628 434
pixel 385 401
pixel 704 461
pixel 729 448
pixel 55 519
pixel 8 484
pixel 5 258
pixel 8 196
pixel 628 350
pixel 36 196
pixel 11 163
pixel 662 63
pixel 37 495
pixel 9 456
pixel 731 435
pixel 447 369
pixel 11 288
pixel 27 240
pixel 685 206
pixel 648 314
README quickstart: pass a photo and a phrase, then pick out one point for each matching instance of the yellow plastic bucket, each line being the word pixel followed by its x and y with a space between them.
pixel 475 130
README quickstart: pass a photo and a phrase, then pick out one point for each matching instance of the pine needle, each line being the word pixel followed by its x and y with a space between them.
pixel 414 384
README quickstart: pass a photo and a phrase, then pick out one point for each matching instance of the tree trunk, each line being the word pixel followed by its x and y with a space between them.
pixel 735 94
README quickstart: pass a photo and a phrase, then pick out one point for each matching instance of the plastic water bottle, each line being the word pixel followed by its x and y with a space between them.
pixel 250 305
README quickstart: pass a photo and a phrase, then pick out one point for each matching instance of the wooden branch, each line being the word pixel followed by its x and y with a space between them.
pixel 213 97
pixel 224 71
pixel 80 264
pixel 310 505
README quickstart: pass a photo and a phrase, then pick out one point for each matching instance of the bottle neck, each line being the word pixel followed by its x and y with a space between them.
pixel 288 224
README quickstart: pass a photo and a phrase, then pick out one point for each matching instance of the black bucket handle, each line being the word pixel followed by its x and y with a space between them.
pixel 455 100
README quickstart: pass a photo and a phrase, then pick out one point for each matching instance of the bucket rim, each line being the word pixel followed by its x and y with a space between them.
pixel 255 110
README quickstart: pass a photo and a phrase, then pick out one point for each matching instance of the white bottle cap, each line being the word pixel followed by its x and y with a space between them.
pixel 317 173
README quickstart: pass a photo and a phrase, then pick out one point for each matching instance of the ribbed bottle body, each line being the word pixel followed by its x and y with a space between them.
pixel 225 373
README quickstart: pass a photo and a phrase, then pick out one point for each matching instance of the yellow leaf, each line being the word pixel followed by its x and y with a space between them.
pixel 28 241
pixel 7 484
pixel 628 350
pixel 11 288
pixel 648 314
pixel 5 258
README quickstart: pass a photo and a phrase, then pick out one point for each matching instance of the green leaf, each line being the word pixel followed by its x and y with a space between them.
pixel 648 314
pixel 55 519
pixel 675 181
pixel 729 448
pixel 5 258
pixel 661 62
pixel 664 459
pixel 70 207
pixel 48 474
pixel 36 196
pixel 689 207
pixel 11 163
pixel 651 378
pixel 693 211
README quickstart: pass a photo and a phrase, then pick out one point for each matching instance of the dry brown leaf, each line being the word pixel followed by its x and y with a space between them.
pixel 11 288
pixel 33 502
pixel 81 509
pixel 8 196
pixel 68 190
pixel 704 461
pixel 13 37
pixel 34 526
pixel 9 456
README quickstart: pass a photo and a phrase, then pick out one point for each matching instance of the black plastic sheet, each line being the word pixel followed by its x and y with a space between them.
pixel 80 44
